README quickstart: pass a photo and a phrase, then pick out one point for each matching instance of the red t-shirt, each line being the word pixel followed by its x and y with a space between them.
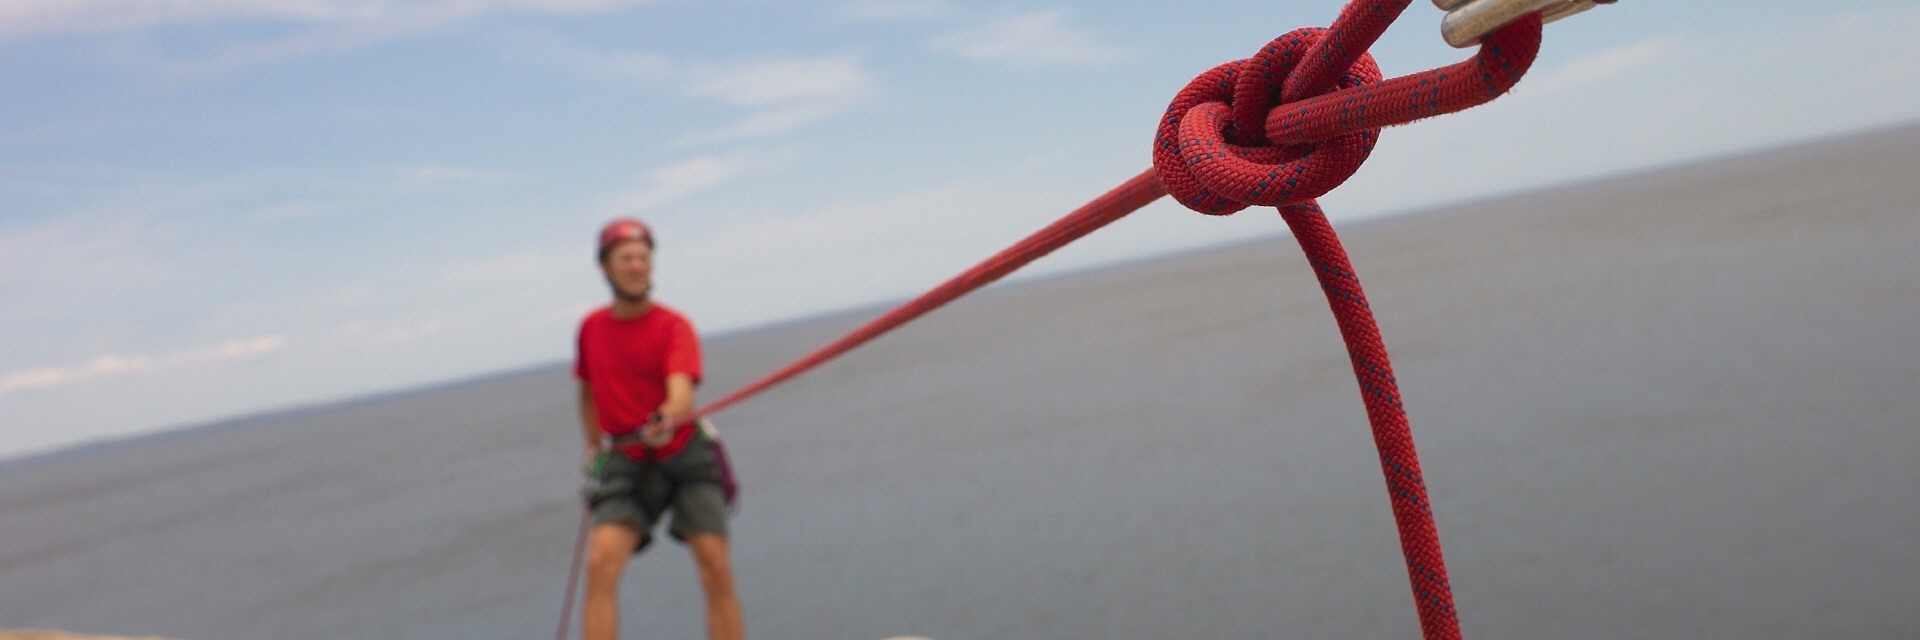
pixel 625 363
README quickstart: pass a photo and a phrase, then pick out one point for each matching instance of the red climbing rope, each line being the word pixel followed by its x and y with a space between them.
pixel 1122 200
pixel 1214 152
pixel 573 574
pixel 1280 129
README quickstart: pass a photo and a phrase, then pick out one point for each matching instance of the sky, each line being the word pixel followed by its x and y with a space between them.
pixel 213 208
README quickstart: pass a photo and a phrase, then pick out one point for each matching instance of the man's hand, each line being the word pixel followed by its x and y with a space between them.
pixel 657 432
pixel 592 461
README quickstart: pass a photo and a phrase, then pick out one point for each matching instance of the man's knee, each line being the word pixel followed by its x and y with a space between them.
pixel 609 548
pixel 710 559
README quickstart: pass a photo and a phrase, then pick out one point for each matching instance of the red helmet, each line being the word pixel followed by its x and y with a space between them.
pixel 621 230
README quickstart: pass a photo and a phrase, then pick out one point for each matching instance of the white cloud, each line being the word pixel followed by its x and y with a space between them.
pixel 552 49
pixel 1038 39
pixel 21 19
pixel 331 26
pixel 116 364
pixel 328 38
pixel 780 94
pixel 781 81
pixel 34 379
pixel 786 93
pixel 673 182
pixel 1611 63
pixel 108 244
pixel 107 365
pixel 769 122
pixel 31 18
pixel 243 348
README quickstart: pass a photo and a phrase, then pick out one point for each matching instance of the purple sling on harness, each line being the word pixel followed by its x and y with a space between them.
pixel 728 484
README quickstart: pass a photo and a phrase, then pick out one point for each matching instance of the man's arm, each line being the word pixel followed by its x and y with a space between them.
pixel 677 407
pixel 590 422
pixel 679 402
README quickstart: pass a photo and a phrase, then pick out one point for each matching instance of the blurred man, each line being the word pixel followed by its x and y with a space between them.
pixel 638 363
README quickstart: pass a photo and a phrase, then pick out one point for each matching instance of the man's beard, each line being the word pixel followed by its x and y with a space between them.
pixel 626 296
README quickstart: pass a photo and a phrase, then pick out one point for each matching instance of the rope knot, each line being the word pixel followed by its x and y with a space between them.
pixel 1212 149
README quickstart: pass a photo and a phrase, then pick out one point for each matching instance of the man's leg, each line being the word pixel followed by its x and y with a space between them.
pixel 716 578
pixel 608 549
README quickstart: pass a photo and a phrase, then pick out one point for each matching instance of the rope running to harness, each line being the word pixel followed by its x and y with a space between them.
pixel 1280 129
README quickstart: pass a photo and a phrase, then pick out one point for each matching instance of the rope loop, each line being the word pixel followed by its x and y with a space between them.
pixel 1212 150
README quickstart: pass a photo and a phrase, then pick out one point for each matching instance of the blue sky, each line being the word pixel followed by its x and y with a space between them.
pixel 215 207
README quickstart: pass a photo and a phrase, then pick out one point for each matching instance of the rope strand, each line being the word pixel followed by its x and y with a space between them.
pixel 1392 437
pixel 1122 200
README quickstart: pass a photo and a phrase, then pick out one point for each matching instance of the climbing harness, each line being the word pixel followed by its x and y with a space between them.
pixel 702 428
pixel 1280 129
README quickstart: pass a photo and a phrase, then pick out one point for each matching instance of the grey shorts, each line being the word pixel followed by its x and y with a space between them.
pixel 639 493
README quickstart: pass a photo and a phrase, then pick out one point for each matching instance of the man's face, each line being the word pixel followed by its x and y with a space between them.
pixel 629 270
